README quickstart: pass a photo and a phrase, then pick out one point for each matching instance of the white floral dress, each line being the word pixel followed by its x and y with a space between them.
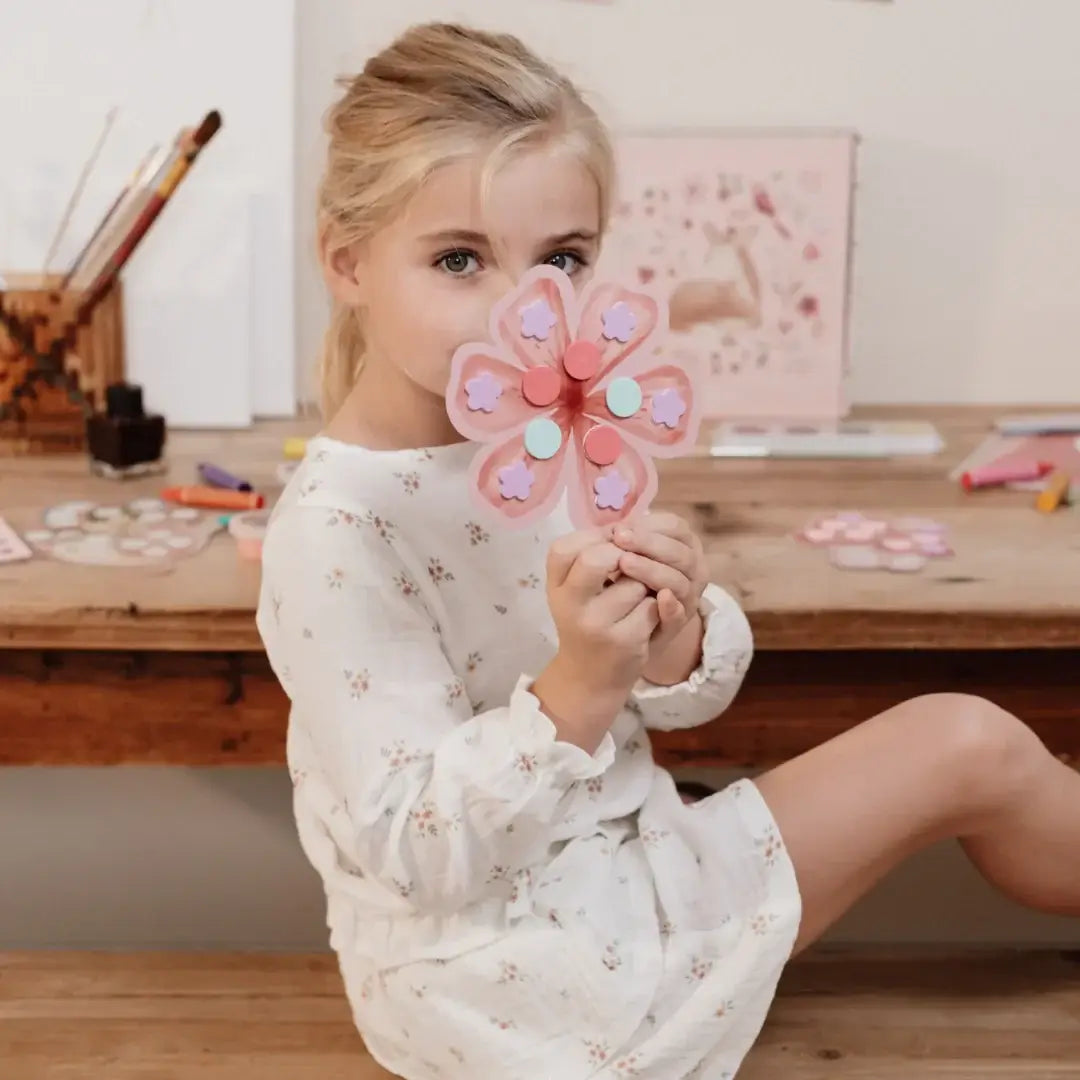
pixel 503 904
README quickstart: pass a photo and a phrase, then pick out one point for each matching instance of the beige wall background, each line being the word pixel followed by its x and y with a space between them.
pixel 968 229
pixel 968 255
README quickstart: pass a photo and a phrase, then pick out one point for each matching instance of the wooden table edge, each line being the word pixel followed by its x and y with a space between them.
pixel 828 631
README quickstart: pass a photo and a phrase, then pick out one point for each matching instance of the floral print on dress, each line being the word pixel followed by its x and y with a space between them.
pixel 612 958
pixel 428 822
pixel 522 883
pixel 335 579
pixel 385 530
pixel 761 923
pixel 526 763
pixel 437 572
pixel 359 683
pixel 410 482
pixel 405 889
pixel 455 691
pixel 510 973
pixel 699 969
pixel 770 845
pixel 477 533
pixel 406 585
pixel 398 756
pixel 598 1051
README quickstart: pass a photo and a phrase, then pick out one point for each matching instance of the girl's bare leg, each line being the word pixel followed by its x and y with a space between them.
pixel 945 765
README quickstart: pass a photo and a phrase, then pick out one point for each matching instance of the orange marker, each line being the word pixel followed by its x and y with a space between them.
pixel 1054 494
pixel 214 498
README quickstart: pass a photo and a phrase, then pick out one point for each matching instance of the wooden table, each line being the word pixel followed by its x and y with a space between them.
pixel 115 666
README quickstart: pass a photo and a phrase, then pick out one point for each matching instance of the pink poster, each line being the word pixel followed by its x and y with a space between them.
pixel 748 238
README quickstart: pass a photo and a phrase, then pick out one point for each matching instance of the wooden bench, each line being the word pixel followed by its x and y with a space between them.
pixel 840 1016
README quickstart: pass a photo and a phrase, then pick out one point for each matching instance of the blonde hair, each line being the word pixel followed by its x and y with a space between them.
pixel 439 92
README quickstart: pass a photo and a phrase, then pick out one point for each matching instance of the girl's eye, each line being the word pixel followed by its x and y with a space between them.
pixel 459 263
pixel 569 262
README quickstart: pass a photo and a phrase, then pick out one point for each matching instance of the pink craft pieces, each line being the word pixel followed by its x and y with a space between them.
pixel 565 399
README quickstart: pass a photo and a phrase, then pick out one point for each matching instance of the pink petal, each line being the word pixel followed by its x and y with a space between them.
pixel 511 409
pixel 634 467
pixel 540 283
pixel 663 441
pixel 547 487
pixel 646 316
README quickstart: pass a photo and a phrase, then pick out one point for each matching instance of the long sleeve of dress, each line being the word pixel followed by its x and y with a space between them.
pixel 441 805
pixel 726 652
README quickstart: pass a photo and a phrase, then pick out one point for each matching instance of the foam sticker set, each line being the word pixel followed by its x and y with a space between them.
pixel 857 542
pixel 565 400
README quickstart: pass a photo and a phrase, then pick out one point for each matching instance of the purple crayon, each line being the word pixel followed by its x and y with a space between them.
pixel 216 477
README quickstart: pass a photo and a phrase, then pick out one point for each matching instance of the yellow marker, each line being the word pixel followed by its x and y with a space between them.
pixel 1054 494
pixel 295 448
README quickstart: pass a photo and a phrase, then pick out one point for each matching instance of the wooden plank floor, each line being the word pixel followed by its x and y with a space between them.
pixel 80 1016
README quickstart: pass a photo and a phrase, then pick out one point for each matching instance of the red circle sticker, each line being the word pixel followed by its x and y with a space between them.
pixel 582 360
pixel 602 445
pixel 540 386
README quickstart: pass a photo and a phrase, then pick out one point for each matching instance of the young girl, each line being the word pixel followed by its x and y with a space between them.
pixel 514 888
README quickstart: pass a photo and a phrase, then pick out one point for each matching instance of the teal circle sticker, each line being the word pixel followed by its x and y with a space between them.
pixel 623 397
pixel 543 437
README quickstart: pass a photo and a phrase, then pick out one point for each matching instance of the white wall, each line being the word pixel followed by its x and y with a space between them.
pixel 968 232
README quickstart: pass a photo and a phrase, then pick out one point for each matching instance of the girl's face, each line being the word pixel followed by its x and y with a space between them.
pixel 427 281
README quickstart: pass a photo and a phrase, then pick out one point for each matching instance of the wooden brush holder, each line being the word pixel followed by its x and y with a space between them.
pixel 43 407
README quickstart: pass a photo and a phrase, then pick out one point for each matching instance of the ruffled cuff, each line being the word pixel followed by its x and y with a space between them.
pixel 726 651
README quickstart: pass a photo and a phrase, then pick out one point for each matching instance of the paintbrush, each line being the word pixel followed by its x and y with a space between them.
pixel 113 212
pixel 191 147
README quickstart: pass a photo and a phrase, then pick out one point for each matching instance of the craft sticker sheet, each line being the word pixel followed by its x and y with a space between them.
pixel 143 532
pixel 855 541
pixel 748 238
pixel 569 398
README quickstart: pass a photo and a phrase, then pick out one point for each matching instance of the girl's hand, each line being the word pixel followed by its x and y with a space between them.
pixel 662 552
pixel 605 635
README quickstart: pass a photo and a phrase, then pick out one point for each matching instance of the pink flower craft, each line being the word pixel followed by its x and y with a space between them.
pixel 565 400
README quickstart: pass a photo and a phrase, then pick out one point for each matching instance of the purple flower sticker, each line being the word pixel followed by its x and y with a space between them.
pixel 668 408
pixel 537 319
pixel 483 392
pixel 516 481
pixel 611 490
pixel 619 322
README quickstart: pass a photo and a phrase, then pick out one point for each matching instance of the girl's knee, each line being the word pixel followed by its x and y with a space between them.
pixel 986 751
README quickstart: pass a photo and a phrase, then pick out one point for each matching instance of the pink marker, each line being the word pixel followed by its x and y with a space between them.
pixel 996 475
